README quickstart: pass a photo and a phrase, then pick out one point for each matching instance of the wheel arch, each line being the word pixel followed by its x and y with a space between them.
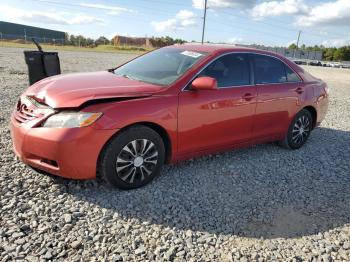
pixel 156 127
pixel 163 134
pixel 313 113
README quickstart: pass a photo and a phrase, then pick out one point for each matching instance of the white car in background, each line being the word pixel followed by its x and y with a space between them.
pixel 334 64
pixel 345 64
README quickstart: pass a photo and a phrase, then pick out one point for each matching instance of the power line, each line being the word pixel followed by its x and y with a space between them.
pixel 279 25
pixel 165 2
pixel 71 6
pixel 134 18
pixel 244 28
pixel 162 12
pixel 204 18
pixel 260 22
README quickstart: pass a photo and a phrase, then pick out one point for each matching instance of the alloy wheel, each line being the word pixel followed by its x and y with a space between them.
pixel 136 160
pixel 301 130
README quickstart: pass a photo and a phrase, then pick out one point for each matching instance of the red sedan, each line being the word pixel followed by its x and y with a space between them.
pixel 171 104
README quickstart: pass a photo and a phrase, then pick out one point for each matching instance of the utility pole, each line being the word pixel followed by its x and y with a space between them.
pixel 205 14
pixel 25 35
pixel 297 43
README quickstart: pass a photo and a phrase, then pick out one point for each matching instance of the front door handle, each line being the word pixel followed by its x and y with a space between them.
pixel 299 90
pixel 248 96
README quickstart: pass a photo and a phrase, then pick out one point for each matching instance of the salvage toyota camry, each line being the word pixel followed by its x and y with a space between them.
pixel 170 104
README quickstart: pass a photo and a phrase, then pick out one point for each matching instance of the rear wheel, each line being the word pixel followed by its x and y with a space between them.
pixel 299 130
pixel 133 158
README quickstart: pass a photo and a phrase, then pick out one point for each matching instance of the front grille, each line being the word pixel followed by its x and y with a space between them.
pixel 24 116
pixel 25 111
pixel 37 103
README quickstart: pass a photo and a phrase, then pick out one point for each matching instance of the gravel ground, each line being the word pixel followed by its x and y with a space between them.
pixel 262 203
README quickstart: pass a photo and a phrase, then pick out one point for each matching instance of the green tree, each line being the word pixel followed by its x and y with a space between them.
pixel 102 40
pixel 81 40
pixel 72 40
pixel 90 42
pixel 292 46
pixel 342 54
pixel 164 41
pixel 328 54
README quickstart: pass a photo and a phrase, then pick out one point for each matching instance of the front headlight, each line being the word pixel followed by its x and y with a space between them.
pixel 71 119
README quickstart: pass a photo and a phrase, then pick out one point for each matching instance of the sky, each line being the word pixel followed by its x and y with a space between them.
pixel 274 23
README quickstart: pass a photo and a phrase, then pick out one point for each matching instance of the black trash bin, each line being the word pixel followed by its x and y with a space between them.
pixel 41 64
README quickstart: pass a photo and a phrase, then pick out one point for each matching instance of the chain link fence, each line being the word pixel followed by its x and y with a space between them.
pixel 294 54
pixel 28 38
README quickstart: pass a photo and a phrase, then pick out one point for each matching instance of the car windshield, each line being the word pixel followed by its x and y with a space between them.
pixel 160 67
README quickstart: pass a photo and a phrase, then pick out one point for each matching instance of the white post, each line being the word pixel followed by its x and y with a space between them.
pixel 205 15
pixel 297 44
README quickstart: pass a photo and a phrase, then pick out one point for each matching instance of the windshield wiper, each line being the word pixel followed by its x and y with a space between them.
pixel 127 76
pixel 131 77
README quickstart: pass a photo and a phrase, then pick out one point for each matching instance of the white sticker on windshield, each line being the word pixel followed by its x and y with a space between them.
pixel 191 54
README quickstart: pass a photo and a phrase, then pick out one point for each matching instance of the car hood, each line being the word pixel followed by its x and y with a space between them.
pixel 73 90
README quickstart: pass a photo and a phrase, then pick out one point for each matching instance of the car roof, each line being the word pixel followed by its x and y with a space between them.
pixel 221 48
pixel 211 47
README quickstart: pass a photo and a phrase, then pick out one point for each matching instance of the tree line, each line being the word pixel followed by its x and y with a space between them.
pixel 164 41
pixel 328 53
pixel 80 40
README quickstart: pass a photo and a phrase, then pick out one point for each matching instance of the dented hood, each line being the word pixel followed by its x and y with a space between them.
pixel 73 90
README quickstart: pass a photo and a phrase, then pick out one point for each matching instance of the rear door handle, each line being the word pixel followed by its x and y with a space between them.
pixel 248 96
pixel 299 90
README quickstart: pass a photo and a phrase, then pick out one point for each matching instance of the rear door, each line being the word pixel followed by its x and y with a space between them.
pixel 280 92
pixel 209 119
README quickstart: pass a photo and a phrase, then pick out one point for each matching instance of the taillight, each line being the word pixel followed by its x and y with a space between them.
pixel 326 89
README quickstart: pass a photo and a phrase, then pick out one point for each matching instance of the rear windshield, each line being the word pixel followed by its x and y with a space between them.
pixel 161 67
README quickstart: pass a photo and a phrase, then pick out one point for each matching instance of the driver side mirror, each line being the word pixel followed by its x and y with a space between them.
pixel 204 83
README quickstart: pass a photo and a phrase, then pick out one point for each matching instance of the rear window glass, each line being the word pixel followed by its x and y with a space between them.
pixel 291 75
pixel 269 70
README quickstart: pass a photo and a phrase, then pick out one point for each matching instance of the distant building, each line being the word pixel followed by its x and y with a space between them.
pixel 12 31
pixel 131 41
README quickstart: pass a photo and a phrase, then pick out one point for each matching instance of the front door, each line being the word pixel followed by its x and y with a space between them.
pixel 209 119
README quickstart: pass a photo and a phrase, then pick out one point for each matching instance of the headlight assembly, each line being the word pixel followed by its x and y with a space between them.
pixel 71 119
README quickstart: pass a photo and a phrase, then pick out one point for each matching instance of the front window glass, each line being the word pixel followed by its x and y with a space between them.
pixel 160 67
pixel 229 70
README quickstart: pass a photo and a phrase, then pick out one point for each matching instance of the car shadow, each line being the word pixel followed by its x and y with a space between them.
pixel 260 192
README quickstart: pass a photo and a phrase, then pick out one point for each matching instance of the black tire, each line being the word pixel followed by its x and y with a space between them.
pixel 299 130
pixel 139 150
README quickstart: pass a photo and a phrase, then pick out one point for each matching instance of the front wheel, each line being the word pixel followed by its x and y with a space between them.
pixel 132 158
pixel 298 131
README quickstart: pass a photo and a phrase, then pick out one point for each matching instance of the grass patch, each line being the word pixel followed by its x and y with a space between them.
pixel 100 48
